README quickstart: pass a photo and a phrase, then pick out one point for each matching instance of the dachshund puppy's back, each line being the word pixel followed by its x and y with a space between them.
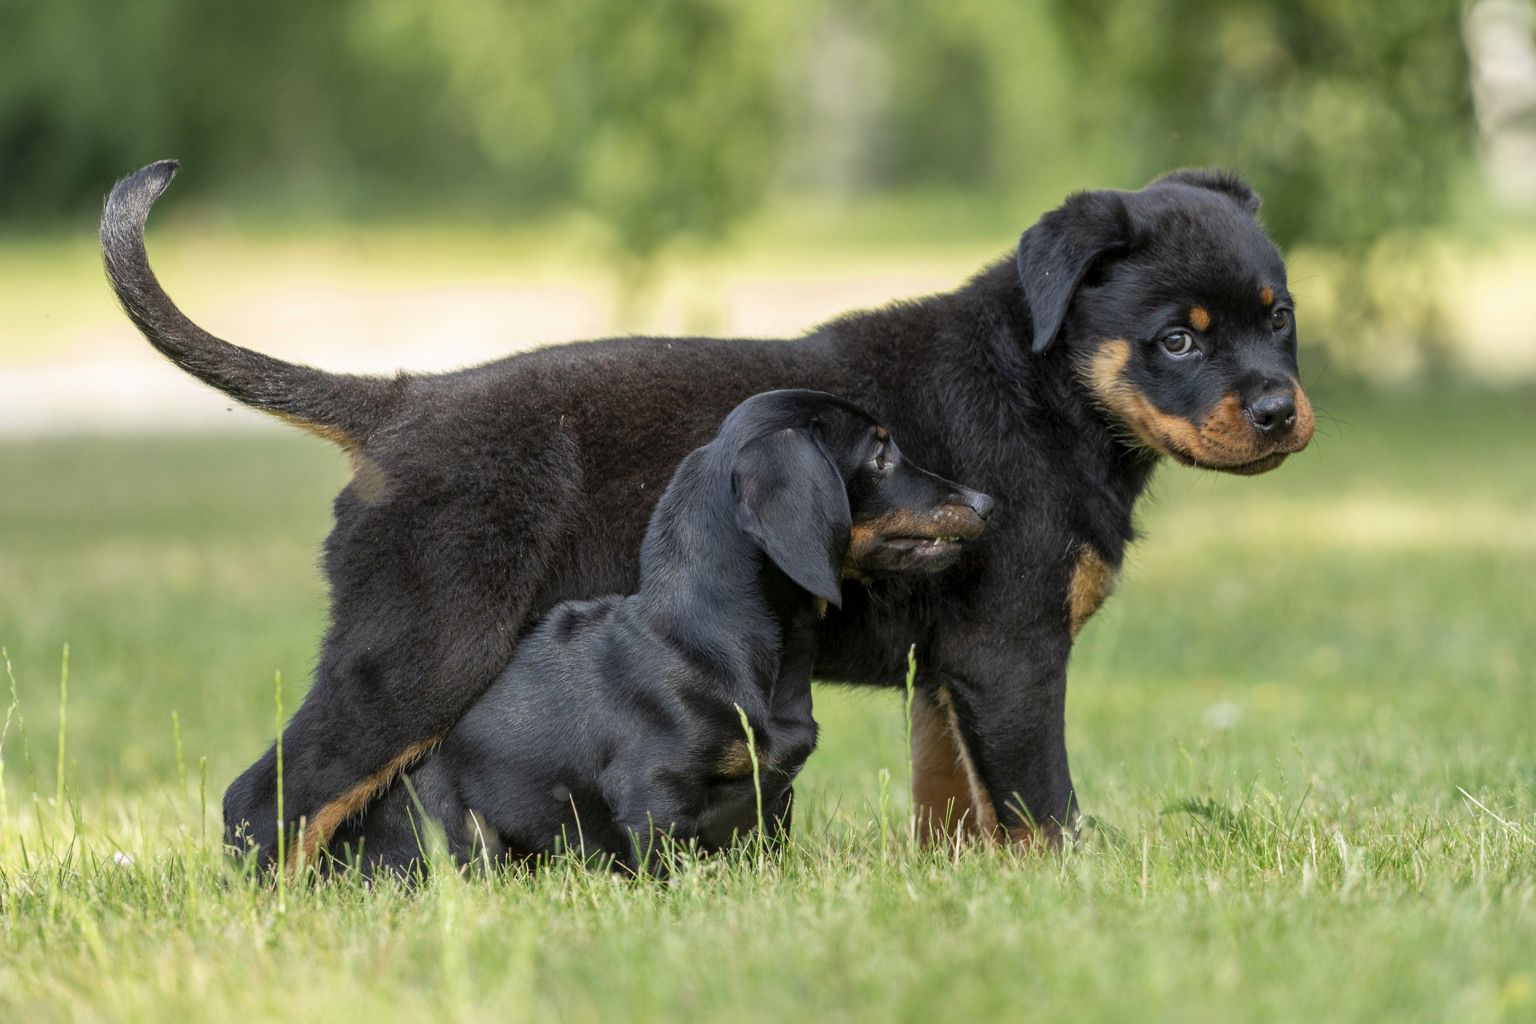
pixel 619 719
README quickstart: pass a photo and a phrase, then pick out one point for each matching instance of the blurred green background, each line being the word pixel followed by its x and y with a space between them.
pixel 1394 142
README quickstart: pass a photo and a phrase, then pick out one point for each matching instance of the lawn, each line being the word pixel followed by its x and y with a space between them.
pixel 1304 730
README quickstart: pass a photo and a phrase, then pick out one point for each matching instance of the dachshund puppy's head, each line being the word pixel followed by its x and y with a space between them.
pixel 822 487
pixel 906 519
pixel 1173 307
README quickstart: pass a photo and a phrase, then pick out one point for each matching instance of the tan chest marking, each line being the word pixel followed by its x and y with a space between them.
pixel 1092 582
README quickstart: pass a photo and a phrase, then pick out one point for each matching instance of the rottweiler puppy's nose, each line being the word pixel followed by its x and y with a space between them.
pixel 1273 413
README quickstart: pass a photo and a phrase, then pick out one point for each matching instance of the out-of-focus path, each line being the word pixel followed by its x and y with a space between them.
pixel 97 375
pixel 71 363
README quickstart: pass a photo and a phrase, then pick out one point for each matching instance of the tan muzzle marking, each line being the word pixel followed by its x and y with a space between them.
pixel 1224 440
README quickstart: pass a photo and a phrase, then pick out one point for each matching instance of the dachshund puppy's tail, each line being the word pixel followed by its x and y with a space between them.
pixel 339 407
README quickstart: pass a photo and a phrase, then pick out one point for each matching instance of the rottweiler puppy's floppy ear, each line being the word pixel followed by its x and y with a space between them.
pixel 1059 250
pixel 793 502
pixel 1215 180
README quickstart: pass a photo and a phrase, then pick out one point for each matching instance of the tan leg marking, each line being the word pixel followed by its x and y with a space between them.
pixel 948 796
pixel 1039 837
pixel 941 790
pixel 334 814
pixel 1092 581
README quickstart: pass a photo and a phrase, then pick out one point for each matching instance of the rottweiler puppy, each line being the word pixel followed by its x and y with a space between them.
pixel 1124 329
pixel 619 718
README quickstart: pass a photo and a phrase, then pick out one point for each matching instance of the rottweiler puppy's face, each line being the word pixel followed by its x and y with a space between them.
pixel 1177 319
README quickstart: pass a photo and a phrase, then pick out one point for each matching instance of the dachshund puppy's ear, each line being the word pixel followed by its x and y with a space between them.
pixel 793 502
pixel 1215 180
pixel 1061 248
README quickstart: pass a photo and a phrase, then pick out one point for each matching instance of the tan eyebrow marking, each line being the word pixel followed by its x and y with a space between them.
pixel 1200 318
pixel 1267 295
pixel 882 433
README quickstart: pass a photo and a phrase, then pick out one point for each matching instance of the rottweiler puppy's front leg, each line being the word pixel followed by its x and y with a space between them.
pixel 1007 708
pixel 778 818
pixel 948 798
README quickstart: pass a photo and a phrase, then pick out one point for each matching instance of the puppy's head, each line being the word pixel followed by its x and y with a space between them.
pixel 1173 306
pixel 905 519
pixel 822 487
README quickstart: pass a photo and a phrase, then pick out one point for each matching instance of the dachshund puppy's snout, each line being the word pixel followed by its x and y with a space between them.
pixel 961 516
pixel 981 504
pixel 1273 413
pixel 911 520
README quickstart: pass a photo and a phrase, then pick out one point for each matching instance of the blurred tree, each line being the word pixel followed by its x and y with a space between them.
pixel 271 100
pixel 1352 116
pixel 671 119
pixel 662 118
pixel 968 98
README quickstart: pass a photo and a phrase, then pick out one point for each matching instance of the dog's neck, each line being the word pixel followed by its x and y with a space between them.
pixel 710 588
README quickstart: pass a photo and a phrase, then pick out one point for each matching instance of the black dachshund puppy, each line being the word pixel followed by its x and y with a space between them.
pixel 619 719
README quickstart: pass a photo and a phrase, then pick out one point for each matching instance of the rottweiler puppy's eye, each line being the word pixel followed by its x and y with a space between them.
pixel 1179 343
pixel 882 459
pixel 1280 319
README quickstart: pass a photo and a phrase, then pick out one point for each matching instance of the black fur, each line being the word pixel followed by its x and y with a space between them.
pixel 1056 253
pixel 486 496
pixel 619 718
pixel 347 403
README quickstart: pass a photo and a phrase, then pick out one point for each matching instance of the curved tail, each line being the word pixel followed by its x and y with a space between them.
pixel 339 407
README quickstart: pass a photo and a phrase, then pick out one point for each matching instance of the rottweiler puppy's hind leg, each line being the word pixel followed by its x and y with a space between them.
pixel 408 652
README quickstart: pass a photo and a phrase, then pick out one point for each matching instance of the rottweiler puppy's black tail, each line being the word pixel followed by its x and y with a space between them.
pixel 339 407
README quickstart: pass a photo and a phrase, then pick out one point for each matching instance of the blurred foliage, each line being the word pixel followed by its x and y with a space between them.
pixel 660 118
pixel 1353 116
pixel 673 119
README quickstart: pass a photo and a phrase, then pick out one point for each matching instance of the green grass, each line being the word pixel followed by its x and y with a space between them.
pixel 1303 730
